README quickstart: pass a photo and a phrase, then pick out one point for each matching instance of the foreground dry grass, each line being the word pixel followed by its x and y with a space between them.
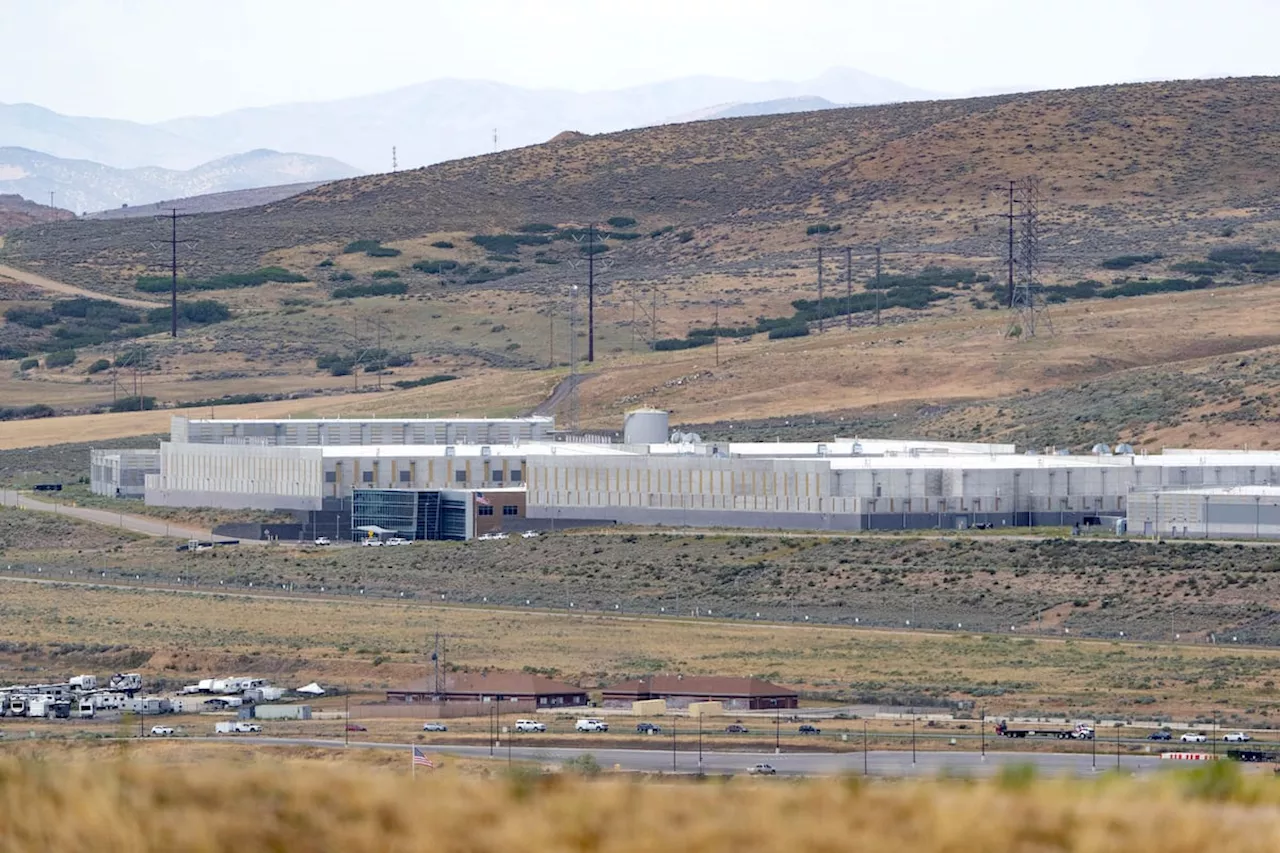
pixel 124 805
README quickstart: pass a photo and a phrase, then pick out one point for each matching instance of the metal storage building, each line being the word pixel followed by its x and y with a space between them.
pixel 122 473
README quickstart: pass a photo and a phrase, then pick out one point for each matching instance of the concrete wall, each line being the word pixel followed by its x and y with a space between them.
pixel 237 477
pixel 299 432
pixel 1204 516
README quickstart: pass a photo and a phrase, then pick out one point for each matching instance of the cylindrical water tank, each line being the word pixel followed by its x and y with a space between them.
pixel 645 426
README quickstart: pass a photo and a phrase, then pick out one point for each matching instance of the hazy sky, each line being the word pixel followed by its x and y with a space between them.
pixel 153 59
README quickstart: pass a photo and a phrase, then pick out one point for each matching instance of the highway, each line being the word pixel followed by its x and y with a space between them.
pixel 878 763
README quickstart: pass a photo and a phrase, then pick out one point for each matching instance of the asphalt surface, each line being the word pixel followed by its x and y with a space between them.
pixel 122 520
pixel 877 763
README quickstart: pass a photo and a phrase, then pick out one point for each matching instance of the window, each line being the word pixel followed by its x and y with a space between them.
pixel 404 476
pixel 484 510
pixel 331 476
pixel 516 475
pixel 977 504
pixel 496 475
pixel 460 476
pixel 511 509
pixel 366 476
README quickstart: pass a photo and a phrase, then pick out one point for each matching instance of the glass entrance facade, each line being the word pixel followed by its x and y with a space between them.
pixel 410 513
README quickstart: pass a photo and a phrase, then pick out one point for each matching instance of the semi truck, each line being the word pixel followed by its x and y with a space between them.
pixel 1065 731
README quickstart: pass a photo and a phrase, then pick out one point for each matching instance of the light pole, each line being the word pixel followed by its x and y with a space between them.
pixel 699 743
pixel 777 728
pixel 865 770
pixel 982 722
pixel 673 746
pixel 1117 747
pixel 346 720
pixel 1094 739
pixel 913 737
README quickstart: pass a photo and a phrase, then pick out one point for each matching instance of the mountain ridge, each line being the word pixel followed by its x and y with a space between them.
pixel 84 185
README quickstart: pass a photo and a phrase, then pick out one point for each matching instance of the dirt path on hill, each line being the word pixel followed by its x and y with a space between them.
pixel 68 289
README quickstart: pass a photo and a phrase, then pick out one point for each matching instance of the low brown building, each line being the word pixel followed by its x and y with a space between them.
pixel 737 694
pixel 492 687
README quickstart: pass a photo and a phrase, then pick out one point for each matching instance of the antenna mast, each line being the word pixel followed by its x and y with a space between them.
pixel 1028 293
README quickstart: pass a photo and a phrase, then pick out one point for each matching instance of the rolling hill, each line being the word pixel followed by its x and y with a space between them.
pixel 83 185
pixel 1159 196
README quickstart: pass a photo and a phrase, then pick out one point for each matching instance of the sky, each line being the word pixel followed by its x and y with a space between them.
pixel 149 60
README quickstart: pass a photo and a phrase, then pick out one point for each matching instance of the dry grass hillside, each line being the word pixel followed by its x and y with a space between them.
pixel 1144 185
pixel 230 806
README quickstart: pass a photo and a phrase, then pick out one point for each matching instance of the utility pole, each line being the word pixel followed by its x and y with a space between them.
pixel 51 198
pixel 819 290
pixel 173 242
pixel 1011 217
pixel 394 164
pixel 877 284
pixel 848 288
pixel 716 330
pixel 591 293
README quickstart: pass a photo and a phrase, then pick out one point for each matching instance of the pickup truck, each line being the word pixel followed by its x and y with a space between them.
pixel 592 725
pixel 236 728
pixel 530 726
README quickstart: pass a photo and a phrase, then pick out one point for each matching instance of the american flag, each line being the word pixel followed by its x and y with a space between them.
pixel 481 499
pixel 420 758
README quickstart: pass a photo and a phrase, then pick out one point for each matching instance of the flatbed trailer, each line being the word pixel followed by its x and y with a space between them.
pixel 1062 731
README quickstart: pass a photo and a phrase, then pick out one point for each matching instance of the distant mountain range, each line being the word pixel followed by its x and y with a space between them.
pixel 83 185
pixel 428 122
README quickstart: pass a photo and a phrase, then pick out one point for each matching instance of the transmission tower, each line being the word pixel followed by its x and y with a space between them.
pixel 1029 306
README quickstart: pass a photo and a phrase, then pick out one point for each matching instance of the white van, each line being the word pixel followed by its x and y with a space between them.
pixel 592 725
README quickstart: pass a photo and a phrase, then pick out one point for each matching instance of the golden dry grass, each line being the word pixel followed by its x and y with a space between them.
pixel 379 644
pixel 233 808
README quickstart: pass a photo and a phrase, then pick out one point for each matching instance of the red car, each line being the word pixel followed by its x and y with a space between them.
pixel 355 727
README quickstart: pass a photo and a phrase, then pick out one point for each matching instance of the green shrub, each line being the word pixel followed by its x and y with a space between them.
pixel 132 404
pixel 327 262
pixel 29 364
pixel 622 235
pixel 8 353
pixel 684 236
pixel 385 274
pixel 227 281
pixel 508 244
pixel 383 252
pixel 667 344
pixel 442 244
pixel 342 276
pixel 424 381
pixel 23 413
pixel 1123 262
pixel 781 332
pixel 821 228
pixel 593 248
pixel 434 267
pixel 1235 255
pixel 1199 267
pixel 204 311
pixel 536 228
pixel 226 400
pixel 357 246
pixel 390 288
pixel 666 229
pixel 621 221
pixel 99 366
pixel 61 358
pixel 548 261
pixel 336 363
pixel 32 318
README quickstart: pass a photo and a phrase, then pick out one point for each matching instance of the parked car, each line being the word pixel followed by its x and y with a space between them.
pixel 397 540
pixel 372 543
pixel 530 534
pixel 437 727
pixel 356 727
pixel 161 731
pixel 323 540
pixel 1236 737
pixel 1192 737
pixel 807 729
pixel 762 770
pixel 736 729
pixel 530 726
pixel 592 725
pixel 648 728
pixel 1160 735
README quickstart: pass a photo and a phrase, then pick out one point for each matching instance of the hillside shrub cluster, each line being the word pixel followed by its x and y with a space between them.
pixel 25 413
pixel 465 272
pixel 372 248
pixel 424 381
pixel 133 404
pixel 29 364
pixel 1124 262
pixel 377 288
pixel 620 221
pixel 385 274
pixel 821 228
pixel 61 358
pixel 99 366
pixel 226 281
pixel 668 344
pixel 370 360
pixel 200 312
pixel 84 322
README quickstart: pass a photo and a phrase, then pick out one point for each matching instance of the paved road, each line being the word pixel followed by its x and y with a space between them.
pixel 787 764
pixel 70 289
pixel 123 520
